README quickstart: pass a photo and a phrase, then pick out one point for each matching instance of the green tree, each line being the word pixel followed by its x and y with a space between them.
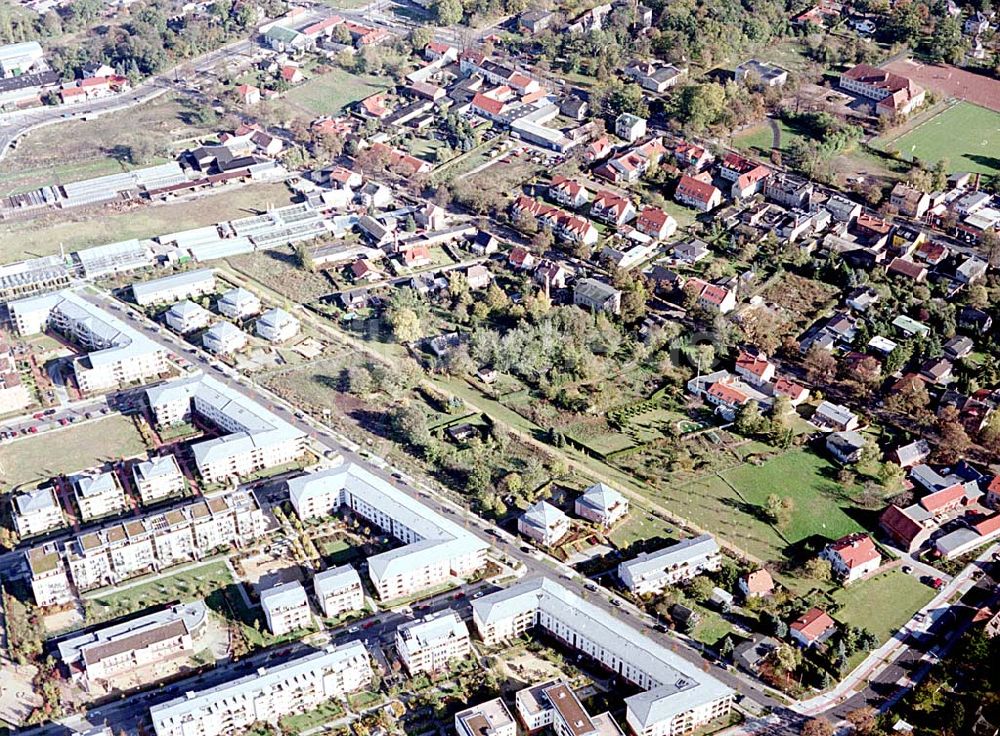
pixel 448 12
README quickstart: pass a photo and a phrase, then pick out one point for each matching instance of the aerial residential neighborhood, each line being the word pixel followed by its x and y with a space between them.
pixel 433 367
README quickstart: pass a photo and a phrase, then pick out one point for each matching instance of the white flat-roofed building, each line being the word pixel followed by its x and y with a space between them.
pixel 267 695
pixel 186 316
pixel 543 523
pixel 174 288
pixel 486 719
pixel 602 505
pixel 435 548
pixel 158 478
pixel 136 643
pixel 117 353
pixel 429 644
pixel 20 58
pixel 555 704
pixel 651 572
pixel 36 512
pixel 111 258
pixel 678 696
pixel 239 303
pixel 339 590
pixel 224 338
pixel 158 541
pixel 286 608
pixel 253 439
pixel 98 495
pixel 277 325
pixel 49 581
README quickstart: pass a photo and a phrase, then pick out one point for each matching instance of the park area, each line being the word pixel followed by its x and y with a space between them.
pixel 40 457
pixel 965 135
pixel 329 93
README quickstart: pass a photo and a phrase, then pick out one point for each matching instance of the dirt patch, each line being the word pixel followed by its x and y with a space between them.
pixel 949 81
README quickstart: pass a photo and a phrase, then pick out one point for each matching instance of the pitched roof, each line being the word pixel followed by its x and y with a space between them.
pixel 855 550
pixel 813 624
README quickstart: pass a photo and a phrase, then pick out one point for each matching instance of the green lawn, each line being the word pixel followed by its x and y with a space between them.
pixel 68 450
pixel 711 628
pixel 300 722
pixel 639 526
pixel 188 585
pixel 808 479
pixel 328 94
pixel 966 135
pixel 883 603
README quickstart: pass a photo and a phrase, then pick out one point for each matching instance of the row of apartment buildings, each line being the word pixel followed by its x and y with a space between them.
pixel 253 438
pixel 267 695
pixel 435 548
pixel 151 543
pixel 117 354
pixel 677 697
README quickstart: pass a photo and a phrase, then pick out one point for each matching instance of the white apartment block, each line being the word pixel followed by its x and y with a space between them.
pixel 174 288
pixel 158 478
pixel 651 572
pixel 543 523
pixel 49 581
pixel 36 512
pixel 277 325
pixel 267 695
pixel 602 505
pixel 486 719
pixel 554 704
pixel 14 394
pixel 137 643
pixel 286 608
pixel 224 338
pixel 98 495
pixel 435 548
pixel 186 316
pixel 429 644
pixel 239 303
pixel 254 438
pixel 339 590
pixel 117 354
pixel 678 697
pixel 159 541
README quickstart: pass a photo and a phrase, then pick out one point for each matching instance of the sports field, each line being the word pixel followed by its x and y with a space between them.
pixel 966 135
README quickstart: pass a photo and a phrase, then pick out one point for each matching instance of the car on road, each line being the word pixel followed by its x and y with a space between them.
pixel 907 569
pixel 591 587
pixel 662 628
pixel 354 630
pixel 615 602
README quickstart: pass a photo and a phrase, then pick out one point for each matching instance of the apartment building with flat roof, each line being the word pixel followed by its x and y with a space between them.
pixel 677 696
pixel 49 582
pixel 158 541
pixel 253 439
pixel 267 695
pixel 174 288
pixel 435 548
pixel 117 354
pixel 491 718
pixel 131 645
pixel 430 643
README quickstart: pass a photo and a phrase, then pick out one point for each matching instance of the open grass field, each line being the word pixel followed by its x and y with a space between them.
pixel 883 603
pixel 68 450
pixel 966 135
pixel 95 226
pixel 189 585
pixel 82 149
pixel 328 94
pixel 639 526
pixel 278 269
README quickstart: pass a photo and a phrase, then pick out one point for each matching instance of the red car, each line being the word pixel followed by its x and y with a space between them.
pixel 937 583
